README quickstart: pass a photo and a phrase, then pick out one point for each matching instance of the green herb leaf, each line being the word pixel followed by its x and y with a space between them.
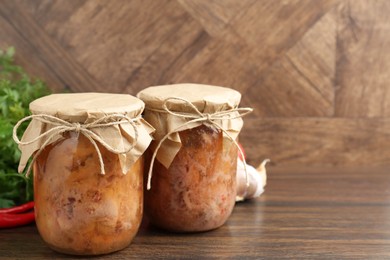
pixel 17 90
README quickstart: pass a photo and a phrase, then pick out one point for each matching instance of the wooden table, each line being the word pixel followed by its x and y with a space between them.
pixel 331 213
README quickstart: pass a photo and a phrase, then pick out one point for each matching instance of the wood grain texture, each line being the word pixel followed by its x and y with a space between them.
pixel 59 61
pixel 302 79
pixel 305 213
pixel 364 61
pixel 298 63
pixel 214 15
pixel 317 141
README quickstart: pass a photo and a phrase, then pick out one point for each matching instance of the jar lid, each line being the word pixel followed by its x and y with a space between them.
pixel 206 98
pixel 174 108
pixel 81 107
pixel 113 120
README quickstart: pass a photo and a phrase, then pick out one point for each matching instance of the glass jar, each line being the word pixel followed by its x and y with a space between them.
pixel 84 205
pixel 197 192
pixel 78 210
pixel 193 184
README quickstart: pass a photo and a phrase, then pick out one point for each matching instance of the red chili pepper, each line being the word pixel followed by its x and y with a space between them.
pixel 18 209
pixel 8 220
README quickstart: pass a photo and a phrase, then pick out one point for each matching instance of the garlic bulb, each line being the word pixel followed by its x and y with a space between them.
pixel 257 179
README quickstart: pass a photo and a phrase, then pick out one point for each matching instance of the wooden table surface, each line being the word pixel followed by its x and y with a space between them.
pixel 331 213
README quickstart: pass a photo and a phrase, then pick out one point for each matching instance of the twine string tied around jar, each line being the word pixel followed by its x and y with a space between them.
pixel 61 126
pixel 197 116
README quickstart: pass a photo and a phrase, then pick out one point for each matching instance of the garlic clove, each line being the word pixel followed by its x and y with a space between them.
pixel 257 179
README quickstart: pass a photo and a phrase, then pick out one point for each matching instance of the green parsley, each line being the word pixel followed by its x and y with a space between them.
pixel 17 90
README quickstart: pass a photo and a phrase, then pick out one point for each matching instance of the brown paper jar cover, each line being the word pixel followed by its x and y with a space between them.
pixel 193 187
pixel 206 98
pixel 84 108
pixel 77 209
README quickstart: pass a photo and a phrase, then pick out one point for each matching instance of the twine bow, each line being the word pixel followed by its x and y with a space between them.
pixel 205 118
pixel 61 126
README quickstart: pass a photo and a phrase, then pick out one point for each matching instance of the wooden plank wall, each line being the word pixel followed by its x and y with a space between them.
pixel 316 71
